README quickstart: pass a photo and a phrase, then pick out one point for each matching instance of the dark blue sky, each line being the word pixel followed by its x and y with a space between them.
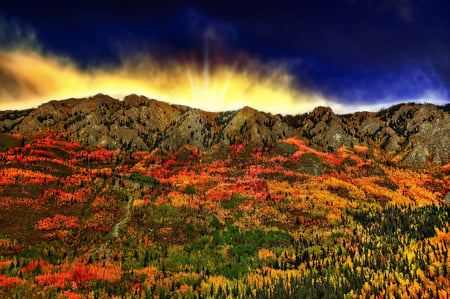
pixel 356 51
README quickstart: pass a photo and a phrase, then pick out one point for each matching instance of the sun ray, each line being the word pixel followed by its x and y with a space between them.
pixel 213 85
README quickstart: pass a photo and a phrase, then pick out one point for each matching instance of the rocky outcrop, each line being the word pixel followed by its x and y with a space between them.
pixel 326 129
pixel 419 133
pixel 255 127
pixel 429 141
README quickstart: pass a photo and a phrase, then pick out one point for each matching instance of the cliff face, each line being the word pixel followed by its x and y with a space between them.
pixel 420 133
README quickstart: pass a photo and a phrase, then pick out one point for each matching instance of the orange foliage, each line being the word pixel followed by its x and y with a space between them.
pixel 302 149
pixel 57 222
pixel 360 149
pixel 12 175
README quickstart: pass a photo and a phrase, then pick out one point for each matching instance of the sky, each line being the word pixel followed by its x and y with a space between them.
pixel 275 56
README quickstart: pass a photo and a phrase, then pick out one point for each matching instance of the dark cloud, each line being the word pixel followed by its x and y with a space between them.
pixel 15 33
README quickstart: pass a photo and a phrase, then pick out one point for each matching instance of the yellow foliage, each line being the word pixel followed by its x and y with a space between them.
pixel 266 255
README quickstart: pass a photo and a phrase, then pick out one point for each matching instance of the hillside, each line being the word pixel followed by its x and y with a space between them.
pixel 413 133
pixel 101 198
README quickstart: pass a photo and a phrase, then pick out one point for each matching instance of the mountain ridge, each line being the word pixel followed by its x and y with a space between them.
pixel 416 133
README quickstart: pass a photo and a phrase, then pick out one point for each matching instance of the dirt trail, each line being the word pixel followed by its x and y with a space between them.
pixel 116 230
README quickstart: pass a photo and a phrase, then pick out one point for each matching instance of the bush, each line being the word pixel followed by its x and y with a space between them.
pixel 143 179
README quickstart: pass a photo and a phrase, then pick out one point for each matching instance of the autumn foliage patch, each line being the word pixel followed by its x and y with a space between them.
pixel 234 222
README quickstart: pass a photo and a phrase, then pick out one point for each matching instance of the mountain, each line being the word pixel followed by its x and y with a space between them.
pixel 416 133
pixel 271 206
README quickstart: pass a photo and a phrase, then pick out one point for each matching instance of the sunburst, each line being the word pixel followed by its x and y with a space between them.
pixel 208 85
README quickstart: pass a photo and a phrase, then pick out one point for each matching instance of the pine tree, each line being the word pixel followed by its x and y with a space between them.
pixel 211 290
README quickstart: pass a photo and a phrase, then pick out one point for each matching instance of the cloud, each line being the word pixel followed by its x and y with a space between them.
pixel 405 81
pixel 31 77
pixel 17 35
pixel 216 82
pixel 212 78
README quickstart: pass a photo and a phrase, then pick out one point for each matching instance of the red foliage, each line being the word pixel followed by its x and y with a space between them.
pixel 81 274
pixel 100 221
pixel 8 282
pixel 236 149
pixel 33 265
pixel 57 222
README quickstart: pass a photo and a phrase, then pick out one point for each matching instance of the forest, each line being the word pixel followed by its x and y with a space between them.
pixel 79 221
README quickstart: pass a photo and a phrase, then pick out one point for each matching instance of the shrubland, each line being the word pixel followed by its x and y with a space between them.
pixel 80 221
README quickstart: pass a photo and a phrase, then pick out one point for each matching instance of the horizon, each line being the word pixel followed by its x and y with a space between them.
pixel 375 108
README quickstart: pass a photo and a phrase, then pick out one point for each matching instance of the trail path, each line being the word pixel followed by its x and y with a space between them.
pixel 116 230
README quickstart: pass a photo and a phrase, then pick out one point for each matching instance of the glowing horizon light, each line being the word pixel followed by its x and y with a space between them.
pixel 217 87
pixel 40 78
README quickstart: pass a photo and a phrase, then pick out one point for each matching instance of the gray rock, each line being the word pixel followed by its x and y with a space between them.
pixel 419 133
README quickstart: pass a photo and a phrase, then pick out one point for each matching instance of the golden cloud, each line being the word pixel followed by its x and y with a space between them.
pixel 31 78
